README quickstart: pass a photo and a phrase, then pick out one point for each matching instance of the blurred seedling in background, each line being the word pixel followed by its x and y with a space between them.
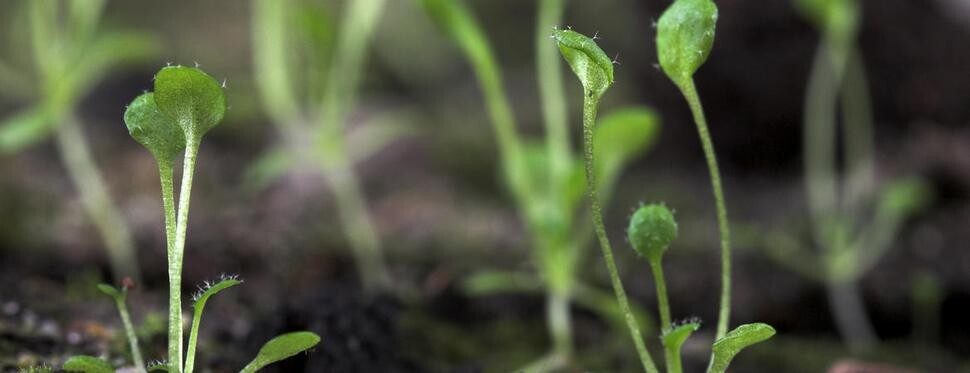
pixel 544 176
pixel 311 117
pixel 69 56
pixel 853 220
pixel 185 105
pixel 685 35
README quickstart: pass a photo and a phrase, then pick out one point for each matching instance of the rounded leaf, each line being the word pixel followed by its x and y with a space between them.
pixel 191 97
pixel 733 342
pixel 652 230
pixel 282 347
pixel 87 364
pixel 154 130
pixel 593 67
pixel 685 36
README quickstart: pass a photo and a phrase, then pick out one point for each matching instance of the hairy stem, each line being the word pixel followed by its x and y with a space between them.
pixel 671 353
pixel 590 103
pixel 130 333
pixel 86 177
pixel 175 259
pixel 694 101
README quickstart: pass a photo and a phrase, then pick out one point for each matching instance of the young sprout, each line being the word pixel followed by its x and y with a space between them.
pixel 120 297
pixel 685 36
pixel 595 71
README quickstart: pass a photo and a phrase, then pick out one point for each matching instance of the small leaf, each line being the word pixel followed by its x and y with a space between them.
pixel 593 67
pixel 837 18
pixel 280 348
pixel 727 347
pixel 110 291
pixel 905 197
pixel 675 338
pixel 209 290
pixel 685 36
pixel 25 128
pixel 201 297
pixel 154 130
pixel 192 98
pixel 87 364
pixel 495 282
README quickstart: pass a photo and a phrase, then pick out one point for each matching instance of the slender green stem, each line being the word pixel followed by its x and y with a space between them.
pixel 193 342
pixel 130 333
pixel 175 259
pixel 166 175
pixel 671 353
pixel 84 174
pixel 357 225
pixel 694 101
pixel 590 103
pixel 560 325
pixel 819 145
pixel 552 91
pixel 857 128
pixel 357 29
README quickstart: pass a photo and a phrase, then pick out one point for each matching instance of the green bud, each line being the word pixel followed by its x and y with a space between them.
pixel 155 131
pixel 593 67
pixel 192 98
pixel 652 230
pixel 685 36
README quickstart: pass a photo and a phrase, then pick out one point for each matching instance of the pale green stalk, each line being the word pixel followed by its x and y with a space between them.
pixel 590 103
pixel 356 31
pixel 130 333
pixel 175 331
pixel 552 90
pixel 671 353
pixel 84 174
pixel 694 101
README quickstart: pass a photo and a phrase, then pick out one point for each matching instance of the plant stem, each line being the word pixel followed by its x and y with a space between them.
pixel 84 174
pixel 671 353
pixel 357 29
pixel 130 333
pixel 560 325
pixel 357 225
pixel 590 103
pixel 850 316
pixel 694 101
pixel 551 90
pixel 175 259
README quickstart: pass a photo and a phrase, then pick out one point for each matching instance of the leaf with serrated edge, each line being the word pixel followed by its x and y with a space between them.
pixel 87 364
pixel 280 348
pixel 727 347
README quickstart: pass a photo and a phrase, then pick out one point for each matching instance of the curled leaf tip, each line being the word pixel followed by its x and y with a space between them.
pixel 593 67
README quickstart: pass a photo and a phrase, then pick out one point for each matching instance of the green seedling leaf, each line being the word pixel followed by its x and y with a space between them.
pixel 652 229
pixel 206 291
pixel 676 336
pixel 621 136
pixel 905 197
pixel 154 130
pixel 192 98
pixel 106 51
pixel 495 282
pixel 87 364
pixel 685 36
pixel 726 348
pixel 593 67
pixel 280 348
pixel 110 291
pixel 24 129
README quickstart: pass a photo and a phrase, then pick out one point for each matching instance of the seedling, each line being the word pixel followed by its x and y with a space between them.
pixel 685 35
pixel 544 177
pixel 186 104
pixel 851 238
pixel 70 56
pixel 314 132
